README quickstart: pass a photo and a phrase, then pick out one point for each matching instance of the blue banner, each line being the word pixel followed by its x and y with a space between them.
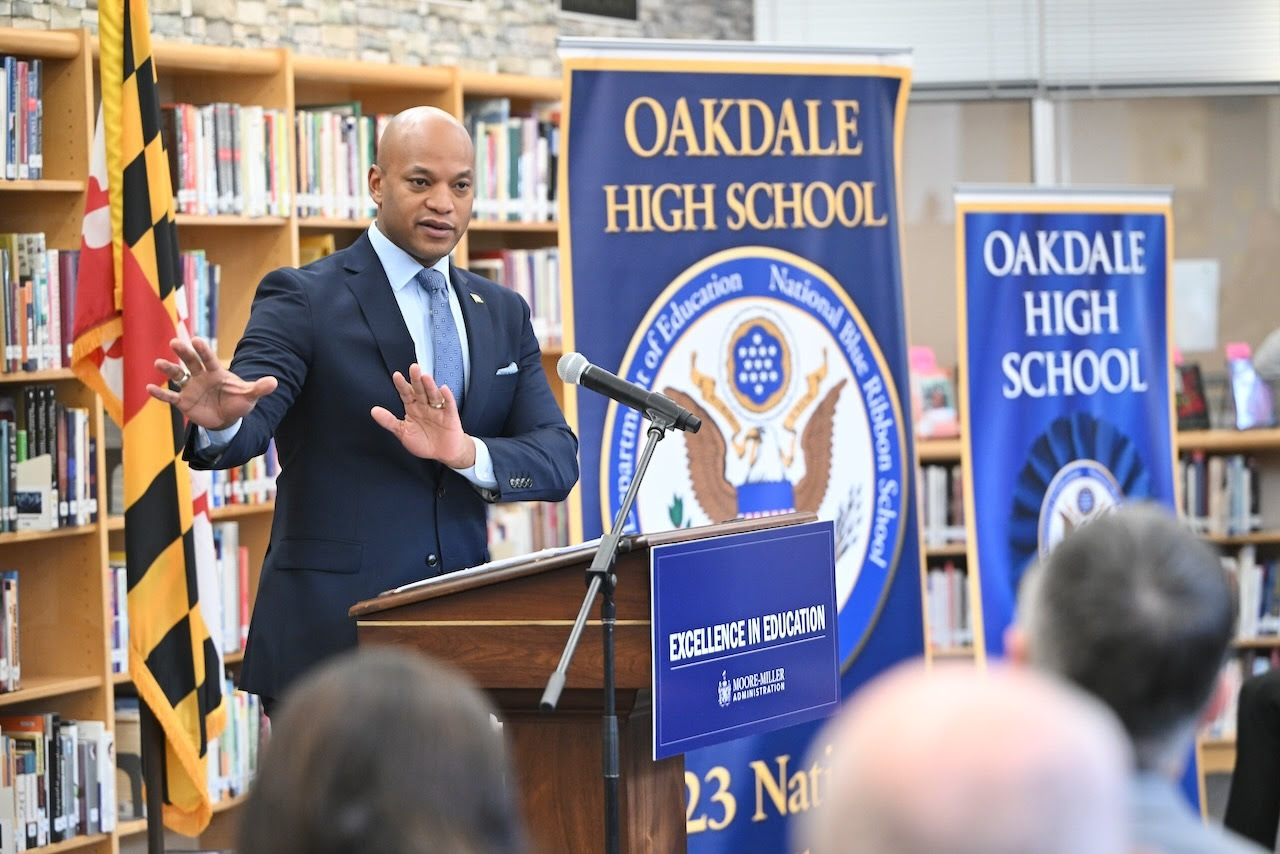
pixel 740 648
pixel 1064 323
pixel 730 236
pixel 1065 347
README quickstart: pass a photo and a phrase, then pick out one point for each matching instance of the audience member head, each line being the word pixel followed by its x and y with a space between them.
pixel 1139 612
pixel 955 760
pixel 382 751
pixel 423 182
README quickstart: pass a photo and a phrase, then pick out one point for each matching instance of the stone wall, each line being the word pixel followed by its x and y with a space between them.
pixel 516 36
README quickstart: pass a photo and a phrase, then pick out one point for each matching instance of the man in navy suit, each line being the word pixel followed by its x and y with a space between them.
pixel 332 356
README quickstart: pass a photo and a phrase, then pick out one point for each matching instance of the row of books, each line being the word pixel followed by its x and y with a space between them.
pixel 232 756
pixel 21 114
pixel 252 483
pixel 47 476
pixel 516 161
pixel 524 527
pixel 1257 593
pixel 37 302
pixel 1221 494
pixel 947 604
pixel 228 616
pixel 201 284
pixel 227 158
pixel 231 567
pixel 57 780
pixel 336 147
pixel 535 275
pixel 941 491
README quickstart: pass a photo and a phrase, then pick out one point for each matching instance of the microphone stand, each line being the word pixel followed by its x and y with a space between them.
pixel 603 581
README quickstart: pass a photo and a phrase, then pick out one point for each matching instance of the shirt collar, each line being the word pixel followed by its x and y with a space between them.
pixel 400 266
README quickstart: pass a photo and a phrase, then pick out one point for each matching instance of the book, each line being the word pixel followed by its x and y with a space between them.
pixel 933 397
pixel 1192 407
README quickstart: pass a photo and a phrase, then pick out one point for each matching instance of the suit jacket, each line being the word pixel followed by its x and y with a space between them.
pixel 355 513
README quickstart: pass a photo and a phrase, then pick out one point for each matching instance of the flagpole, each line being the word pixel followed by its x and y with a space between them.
pixel 153 777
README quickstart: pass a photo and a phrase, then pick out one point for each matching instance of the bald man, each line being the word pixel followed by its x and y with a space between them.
pixel 958 761
pixel 385 472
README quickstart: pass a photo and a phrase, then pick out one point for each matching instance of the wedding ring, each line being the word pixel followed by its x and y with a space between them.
pixel 181 382
pixel 439 405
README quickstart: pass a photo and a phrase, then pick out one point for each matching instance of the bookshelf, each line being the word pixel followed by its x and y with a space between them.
pixel 65 597
pixel 1254 542
pixel 946 588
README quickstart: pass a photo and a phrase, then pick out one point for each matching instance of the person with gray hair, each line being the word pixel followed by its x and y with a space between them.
pixel 1138 611
pixel 955 760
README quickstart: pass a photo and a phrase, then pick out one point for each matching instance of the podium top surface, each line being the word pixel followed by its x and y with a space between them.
pixel 549 560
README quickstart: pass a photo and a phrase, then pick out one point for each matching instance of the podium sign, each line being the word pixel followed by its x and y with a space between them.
pixel 744 635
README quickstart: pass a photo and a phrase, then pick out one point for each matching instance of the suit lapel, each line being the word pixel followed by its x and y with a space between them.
pixel 479 343
pixel 368 283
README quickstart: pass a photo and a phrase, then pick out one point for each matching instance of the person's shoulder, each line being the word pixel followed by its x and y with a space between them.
pixel 1163 821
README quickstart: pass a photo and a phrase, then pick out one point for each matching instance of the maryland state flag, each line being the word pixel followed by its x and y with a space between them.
pixel 128 309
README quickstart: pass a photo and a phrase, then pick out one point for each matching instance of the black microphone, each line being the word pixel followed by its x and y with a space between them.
pixel 574 368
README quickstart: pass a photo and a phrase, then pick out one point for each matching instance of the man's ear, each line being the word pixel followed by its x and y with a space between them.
pixel 1015 644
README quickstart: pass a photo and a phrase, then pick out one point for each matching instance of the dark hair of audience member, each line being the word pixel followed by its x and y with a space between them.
pixel 382 750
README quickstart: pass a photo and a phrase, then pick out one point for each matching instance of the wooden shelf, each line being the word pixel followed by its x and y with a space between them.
pixel 1255 538
pixel 236 511
pixel 508 227
pixel 43 185
pixel 51 44
pixel 1217 755
pixel 1229 441
pixel 938 450
pixel 948 550
pixel 1260 642
pixel 481 84
pixel 52 533
pixel 329 223
pixel 132 827
pixel 73 844
pixel 40 687
pixel 26 377
pixel 1224 441
pixel 229 220
pixel 953 652
pixel 357 74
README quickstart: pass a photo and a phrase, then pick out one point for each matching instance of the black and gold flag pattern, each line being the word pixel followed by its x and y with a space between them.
pixel 126 315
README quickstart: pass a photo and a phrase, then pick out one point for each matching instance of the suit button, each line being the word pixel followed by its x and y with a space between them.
pixel 432 560
pixel 440 491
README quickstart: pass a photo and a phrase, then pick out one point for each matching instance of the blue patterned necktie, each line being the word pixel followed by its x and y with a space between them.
pixel 444 334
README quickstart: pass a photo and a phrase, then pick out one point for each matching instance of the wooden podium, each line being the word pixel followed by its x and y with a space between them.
pixel 506 625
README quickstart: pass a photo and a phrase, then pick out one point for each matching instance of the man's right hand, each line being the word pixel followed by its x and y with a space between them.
pixel 210 395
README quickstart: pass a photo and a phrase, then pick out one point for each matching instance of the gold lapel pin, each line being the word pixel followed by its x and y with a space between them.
pixel 478 298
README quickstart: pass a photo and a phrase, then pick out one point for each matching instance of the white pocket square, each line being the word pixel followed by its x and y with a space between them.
pixel 509 369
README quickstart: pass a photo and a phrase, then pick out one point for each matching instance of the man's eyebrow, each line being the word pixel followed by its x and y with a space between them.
pixel 423 170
